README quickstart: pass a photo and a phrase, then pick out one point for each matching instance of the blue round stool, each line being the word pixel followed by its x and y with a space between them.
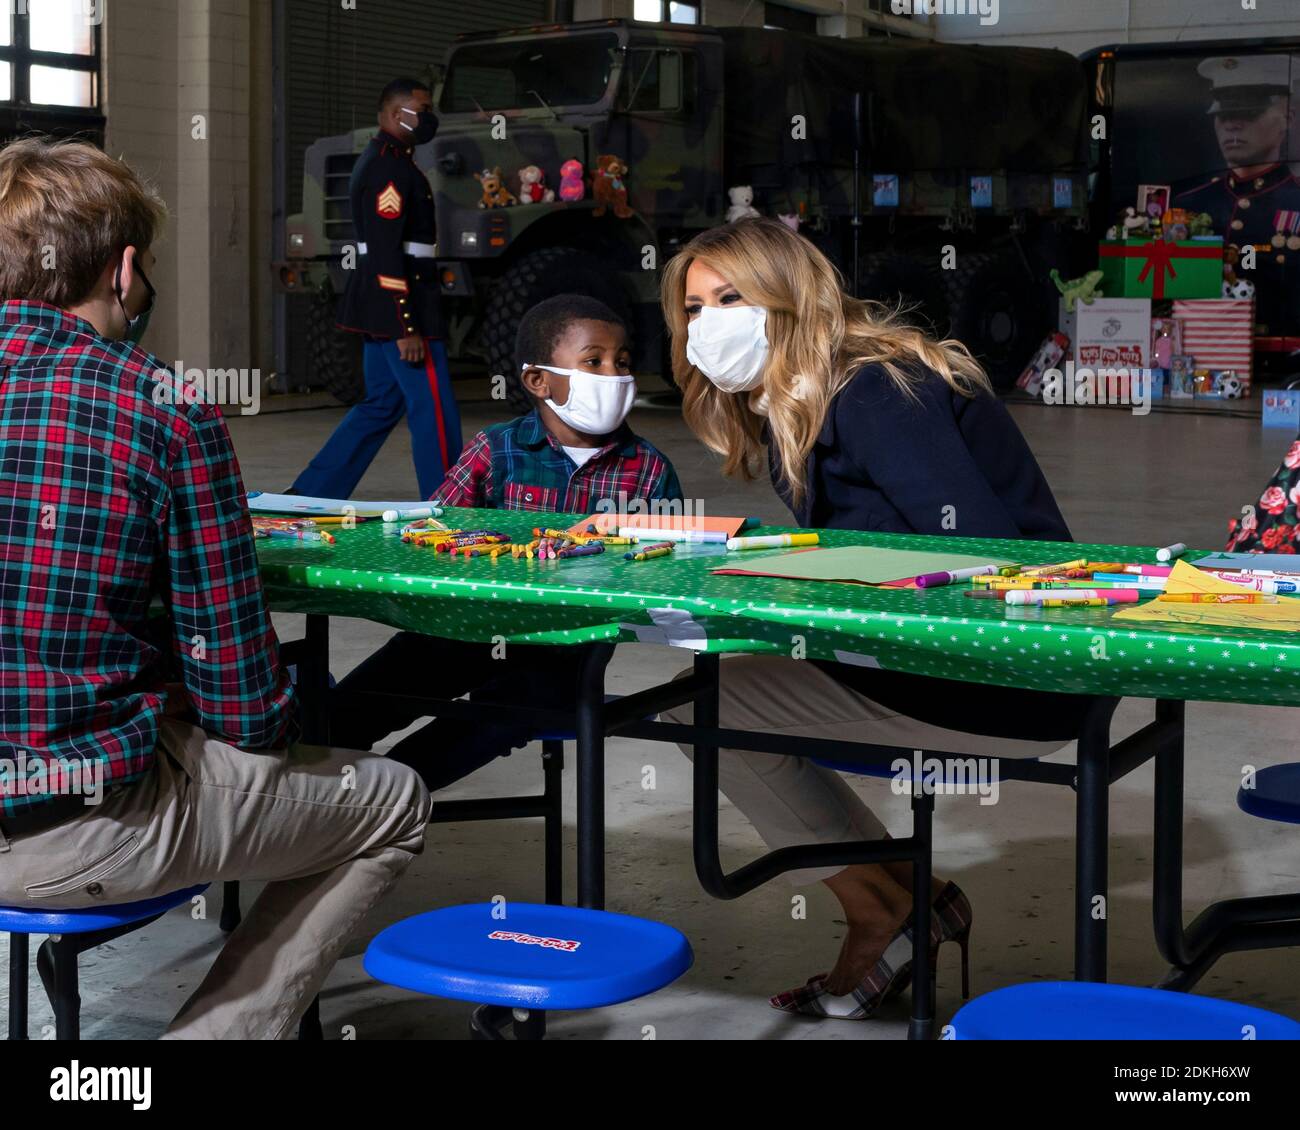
pixel 538 958
pixel 1276 795
pixel 1084 1010
pixel 72 932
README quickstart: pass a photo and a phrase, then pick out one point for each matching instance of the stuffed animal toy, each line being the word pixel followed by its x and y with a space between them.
pixel 1201 223
pixel 1084 289
pixel 572 186
pixel 607 187
pixel 1134 225
pixel 532 186
pixel 495 193
pixel 742 203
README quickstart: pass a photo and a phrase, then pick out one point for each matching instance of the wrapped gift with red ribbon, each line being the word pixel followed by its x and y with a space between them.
pixel 1139 268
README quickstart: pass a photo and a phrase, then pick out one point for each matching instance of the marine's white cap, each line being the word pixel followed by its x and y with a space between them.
pixel 1245 82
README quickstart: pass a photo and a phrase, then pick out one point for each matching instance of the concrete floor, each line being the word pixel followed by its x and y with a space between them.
pixel 1146 480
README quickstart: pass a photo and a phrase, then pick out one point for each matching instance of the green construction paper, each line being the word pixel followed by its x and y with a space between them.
pixel 865 564
pixel 936 632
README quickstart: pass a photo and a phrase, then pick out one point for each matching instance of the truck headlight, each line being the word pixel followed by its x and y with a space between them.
pixel 469 239
pixel 297 241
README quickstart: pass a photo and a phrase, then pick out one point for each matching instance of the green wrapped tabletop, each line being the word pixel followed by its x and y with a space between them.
pixel 677 600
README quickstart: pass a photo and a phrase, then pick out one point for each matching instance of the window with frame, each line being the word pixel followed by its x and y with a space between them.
pixel 658 80
pixel 50 54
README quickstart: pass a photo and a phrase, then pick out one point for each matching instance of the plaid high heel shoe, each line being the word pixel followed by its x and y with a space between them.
pixel 950 921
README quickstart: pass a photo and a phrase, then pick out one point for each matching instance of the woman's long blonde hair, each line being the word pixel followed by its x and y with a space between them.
pixel 817 337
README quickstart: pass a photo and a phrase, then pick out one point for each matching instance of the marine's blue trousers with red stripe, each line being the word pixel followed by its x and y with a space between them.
pixel 422 392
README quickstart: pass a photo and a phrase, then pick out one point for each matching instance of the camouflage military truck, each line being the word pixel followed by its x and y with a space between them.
pixel 959 206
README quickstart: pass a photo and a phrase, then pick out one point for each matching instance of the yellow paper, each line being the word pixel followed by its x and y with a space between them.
pixel 1284 616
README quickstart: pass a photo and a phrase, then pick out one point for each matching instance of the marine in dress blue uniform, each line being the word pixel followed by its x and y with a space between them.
pixel 1256 200
pixel 392 295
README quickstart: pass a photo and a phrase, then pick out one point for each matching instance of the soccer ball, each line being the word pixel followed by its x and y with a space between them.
pixel 1231 387
pixel 1242 288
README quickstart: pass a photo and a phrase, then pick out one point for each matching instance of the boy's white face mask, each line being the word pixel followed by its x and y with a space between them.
pixel 728 344
pixel 597 404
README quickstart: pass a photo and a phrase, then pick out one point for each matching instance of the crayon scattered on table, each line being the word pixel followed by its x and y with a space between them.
pixel 647 554
pixel 1217 598
pixel 581 550
pixel 1047 570
pixel 1092 602
pixel 1169 552
pixel 947 577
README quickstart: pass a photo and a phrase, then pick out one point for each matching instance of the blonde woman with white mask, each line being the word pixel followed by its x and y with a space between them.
pixel 865 424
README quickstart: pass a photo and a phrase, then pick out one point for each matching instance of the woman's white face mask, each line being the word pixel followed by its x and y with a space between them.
pixel 597 404
pixel 728 344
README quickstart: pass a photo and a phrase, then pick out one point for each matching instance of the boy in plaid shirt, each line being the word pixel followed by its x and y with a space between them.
pixel 115 493
pixel 572 453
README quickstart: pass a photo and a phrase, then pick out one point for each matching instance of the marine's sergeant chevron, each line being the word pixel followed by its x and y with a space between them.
pixel 392 298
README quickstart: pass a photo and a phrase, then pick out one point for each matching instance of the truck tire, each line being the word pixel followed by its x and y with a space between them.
pixel 897 279
pixel 335 354
pixel 538 275
pixel 998 313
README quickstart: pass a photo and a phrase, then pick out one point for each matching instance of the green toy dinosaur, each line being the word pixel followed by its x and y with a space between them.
pixel 1084 289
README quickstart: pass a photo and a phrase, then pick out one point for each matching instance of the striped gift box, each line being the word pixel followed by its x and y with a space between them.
pixel 1218 332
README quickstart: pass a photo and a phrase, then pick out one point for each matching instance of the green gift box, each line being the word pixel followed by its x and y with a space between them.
pixel 1151 268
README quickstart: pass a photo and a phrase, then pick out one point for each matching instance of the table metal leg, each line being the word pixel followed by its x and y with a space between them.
pixel 590 729
pixel 313 681
pixel 19 971
pixel 1167 896
pixel 922 1024
pixel 708 865
pixel 1092 831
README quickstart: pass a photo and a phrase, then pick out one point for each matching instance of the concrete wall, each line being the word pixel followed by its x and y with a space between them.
pixel 186 94
pixel 1076 26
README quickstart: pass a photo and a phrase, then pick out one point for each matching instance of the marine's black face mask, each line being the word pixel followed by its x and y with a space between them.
pixel 426 125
